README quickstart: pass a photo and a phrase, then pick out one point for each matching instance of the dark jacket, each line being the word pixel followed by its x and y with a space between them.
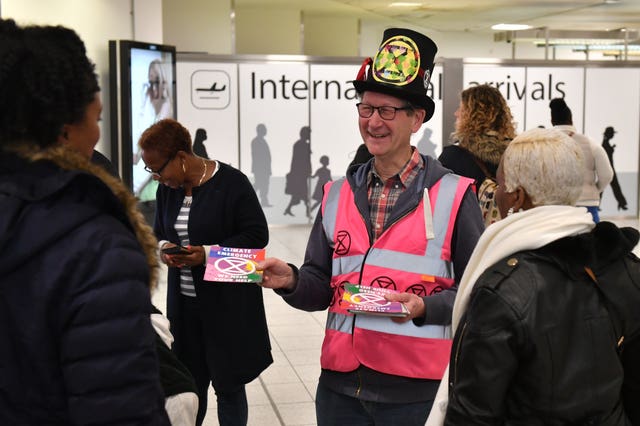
pixel 314 292
pixel 463 157
pixel 102 161
pixel 538 346
pixel 77 345
pixel 224 211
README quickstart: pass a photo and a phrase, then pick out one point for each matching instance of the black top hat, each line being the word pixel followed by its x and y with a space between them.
pixel 402 68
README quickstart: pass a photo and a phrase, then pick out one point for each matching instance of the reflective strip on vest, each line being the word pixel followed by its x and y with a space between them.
pixel 330 206
pixel 340 322
pixel 409 263
pixel 345 264
pixel 442 214
pixel 384 325
pixel 344 324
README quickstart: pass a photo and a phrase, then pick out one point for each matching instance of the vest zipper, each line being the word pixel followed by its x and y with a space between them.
pixel 364 261
pixel 359 383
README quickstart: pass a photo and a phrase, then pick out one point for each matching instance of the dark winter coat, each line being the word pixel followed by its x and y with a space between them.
pixel 547 348
pixel 224 211
pixel 463 157
pixel 76 342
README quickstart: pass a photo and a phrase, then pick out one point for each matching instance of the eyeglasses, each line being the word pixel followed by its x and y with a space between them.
pixel 385 112
pixel 154 83
pixel 157 172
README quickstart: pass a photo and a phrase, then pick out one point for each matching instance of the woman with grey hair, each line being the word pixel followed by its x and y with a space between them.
pixel 538 340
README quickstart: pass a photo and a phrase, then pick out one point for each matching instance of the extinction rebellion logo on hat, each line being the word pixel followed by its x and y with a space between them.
pixel 397 62
pixel 402 68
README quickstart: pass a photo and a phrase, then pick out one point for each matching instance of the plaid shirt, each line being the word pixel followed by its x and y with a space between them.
pixel 383 195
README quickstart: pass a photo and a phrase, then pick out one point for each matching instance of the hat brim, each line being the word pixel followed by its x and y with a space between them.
pixel 421 101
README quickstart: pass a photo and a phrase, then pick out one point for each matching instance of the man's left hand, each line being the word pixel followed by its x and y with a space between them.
pixel 413 303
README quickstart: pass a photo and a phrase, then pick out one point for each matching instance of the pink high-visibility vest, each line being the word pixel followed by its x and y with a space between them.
pixel 411 255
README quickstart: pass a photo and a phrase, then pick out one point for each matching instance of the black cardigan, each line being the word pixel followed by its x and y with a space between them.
pixel 225 211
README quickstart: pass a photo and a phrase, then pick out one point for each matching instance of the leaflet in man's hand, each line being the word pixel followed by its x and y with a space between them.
pixel 370 300
pixel 233 265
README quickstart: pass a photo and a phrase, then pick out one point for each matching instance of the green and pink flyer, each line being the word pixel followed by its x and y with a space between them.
pixel 369 300
pixel 233 265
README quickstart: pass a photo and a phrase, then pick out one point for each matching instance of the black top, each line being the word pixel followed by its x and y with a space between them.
pixel 463 163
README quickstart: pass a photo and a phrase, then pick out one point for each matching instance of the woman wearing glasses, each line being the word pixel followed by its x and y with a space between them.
pixel 220 329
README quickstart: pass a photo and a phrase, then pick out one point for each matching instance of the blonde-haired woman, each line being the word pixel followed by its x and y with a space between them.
pixel 484 128
pixel 537 338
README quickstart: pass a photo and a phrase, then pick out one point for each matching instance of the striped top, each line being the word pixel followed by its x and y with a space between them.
pixel 182 228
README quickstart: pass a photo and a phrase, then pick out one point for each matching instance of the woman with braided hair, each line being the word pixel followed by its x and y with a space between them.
pixel 77 259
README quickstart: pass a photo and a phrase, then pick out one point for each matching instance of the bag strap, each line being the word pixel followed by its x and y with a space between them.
pixel 618 327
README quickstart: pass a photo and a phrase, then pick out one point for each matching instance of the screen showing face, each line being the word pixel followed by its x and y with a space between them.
pixel 152 99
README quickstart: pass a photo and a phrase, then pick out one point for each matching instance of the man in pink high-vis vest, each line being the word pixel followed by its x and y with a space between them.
pixel 399 221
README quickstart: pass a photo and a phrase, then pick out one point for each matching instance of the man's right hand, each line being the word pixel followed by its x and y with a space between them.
pixel 276 274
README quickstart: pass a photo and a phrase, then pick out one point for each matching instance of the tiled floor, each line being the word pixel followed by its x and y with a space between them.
pixel 284 394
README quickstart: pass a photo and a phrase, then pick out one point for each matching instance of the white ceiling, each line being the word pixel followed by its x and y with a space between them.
pixel 477 15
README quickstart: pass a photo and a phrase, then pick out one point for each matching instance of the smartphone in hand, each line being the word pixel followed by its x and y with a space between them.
pixel 176 250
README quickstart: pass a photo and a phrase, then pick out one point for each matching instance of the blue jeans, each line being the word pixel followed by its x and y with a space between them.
pixel 335 409
pixel 594 212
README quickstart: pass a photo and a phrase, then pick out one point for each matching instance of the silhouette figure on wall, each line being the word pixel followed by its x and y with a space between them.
pixel 198 144
pixel 261 165
pixel 324 175
pixel 297 180
pixel 615 186
pixel 425 145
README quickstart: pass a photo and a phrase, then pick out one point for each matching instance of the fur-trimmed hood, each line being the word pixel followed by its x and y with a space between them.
pixel 488 147
pixel 31 175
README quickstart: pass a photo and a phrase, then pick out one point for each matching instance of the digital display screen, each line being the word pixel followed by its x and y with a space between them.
pixel 152 88
pixel 142 79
